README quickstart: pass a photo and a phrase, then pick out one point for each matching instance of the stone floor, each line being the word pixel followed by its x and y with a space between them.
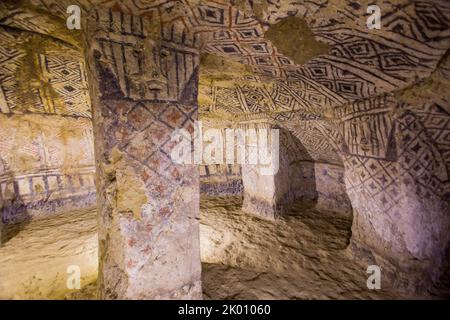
pixel 35 257
pixel 301 256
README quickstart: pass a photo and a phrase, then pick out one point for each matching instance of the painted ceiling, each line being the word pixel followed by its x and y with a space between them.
pixel 252 66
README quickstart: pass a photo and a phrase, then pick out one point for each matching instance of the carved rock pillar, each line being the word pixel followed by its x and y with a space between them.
pixel 259 193
pixel 144 88
pixel 261 180
pixel 268 193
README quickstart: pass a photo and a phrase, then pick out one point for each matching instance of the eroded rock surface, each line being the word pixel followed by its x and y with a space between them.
pixel 301 256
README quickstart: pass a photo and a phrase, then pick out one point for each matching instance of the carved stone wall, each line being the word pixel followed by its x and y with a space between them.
pixel 46 142
pixel 395 176
pixel 221 180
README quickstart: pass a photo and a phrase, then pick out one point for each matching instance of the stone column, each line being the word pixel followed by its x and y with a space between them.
pixel 269 193
pixel 143 88
pixel 259 193
pixel 393 176
pixel 262 190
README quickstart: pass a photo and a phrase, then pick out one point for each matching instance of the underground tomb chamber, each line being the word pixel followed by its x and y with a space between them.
pixel 224 150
